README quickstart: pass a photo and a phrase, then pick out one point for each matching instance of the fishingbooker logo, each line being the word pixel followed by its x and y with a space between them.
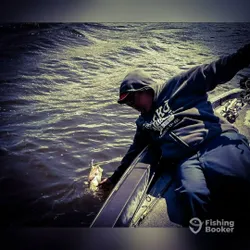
pixel 211 226
pixel 195 225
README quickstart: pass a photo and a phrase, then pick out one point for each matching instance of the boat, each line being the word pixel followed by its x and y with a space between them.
pixel 142 198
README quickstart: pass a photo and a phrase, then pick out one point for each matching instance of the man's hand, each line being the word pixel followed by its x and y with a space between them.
pixel 106 184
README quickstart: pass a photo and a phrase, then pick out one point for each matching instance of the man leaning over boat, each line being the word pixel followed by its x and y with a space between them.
pixel 212 158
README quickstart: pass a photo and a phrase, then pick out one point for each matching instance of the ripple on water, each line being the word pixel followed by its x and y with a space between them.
pixel 58 108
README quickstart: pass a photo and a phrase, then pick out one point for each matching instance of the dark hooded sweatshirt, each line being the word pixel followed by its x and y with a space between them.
pixel 182 119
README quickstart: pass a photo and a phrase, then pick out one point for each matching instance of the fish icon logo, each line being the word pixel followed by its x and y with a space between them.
pixel 195 225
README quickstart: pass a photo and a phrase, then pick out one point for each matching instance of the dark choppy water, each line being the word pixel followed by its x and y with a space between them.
pixel 59 85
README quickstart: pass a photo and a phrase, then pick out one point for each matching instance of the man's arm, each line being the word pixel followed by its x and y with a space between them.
pixel 208 76
pixel 139 143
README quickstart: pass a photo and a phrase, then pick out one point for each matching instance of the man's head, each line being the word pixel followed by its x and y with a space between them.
pixel 136 91
pixel 139 100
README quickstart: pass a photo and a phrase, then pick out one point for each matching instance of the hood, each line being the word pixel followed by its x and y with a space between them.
pixel 137 80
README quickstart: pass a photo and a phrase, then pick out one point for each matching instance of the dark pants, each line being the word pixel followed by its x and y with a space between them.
pixel 215 183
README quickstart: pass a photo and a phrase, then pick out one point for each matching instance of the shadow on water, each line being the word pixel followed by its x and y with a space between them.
pixel 32 194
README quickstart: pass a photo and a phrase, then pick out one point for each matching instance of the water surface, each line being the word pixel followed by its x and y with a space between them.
pixel 59 86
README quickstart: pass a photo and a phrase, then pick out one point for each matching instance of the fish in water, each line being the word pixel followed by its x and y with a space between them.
pixel 95 176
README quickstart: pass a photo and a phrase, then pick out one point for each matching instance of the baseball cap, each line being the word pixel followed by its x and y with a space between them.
pixel 123 97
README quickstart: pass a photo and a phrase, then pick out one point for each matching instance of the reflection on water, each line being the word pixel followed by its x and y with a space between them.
pixel 59 88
